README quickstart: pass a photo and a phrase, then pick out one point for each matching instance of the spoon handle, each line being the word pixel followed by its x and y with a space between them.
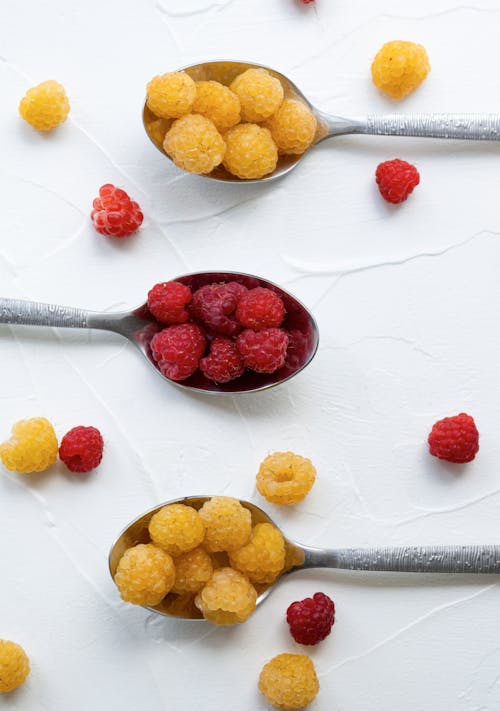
pixel 32 313
pixel 474 127
pixel 426 559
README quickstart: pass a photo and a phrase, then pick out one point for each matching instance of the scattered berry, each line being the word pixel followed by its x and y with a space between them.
pixel 194 144
pixel 177 528
pixel 455 439
pixel 14 665
pixel 260 94
pixel 228 524
pixel 171 95
pixel 396 179
pixel 289 681
pixel 292 127
pixel 263 351
pixel 31 448
pixel 217 103
pixel 114 213
pixel 285 478
pixel 215 306
pixel 145 574
pixel 228 598
pixel 260 308
pixel 45 106
pixel 167 302
pixel 311 619
pixel 263 557
pixel 400 67
pixel 81 449
pixel 251 152
pixel 177 350
pixel 192 571
pixel 224 363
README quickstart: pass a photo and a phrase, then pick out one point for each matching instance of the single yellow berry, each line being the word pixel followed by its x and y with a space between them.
pixel 400 67
pixel 194 144
pixel 228 598
pixel 192 571
pixel 14 665
pixel 32 447
pixel 145 574
pixel 171 95
pixel 263 557
pixel 177 528
pixel 217 103
pixel 260 94
pixel 289 681
pixel 45 106
pixel 292 127
pixel 285 478
pixel 228 524
pixel 251 152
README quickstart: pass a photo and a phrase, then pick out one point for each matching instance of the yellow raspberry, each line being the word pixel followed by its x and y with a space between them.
pixel 14 665
pixel 285 478
pixel 45 106
pixel 192 571
pixel 217 103
pixel 250 151
pixel 263 558
pixel 260 94
pixel 400 67
pixel 289 681
pixel 171 95
pixel 32 447
pixel 157 130
pixel 228 598
pixel 194 144
pixel 292 127
pixel 177 528
pixel 228 524
pixel 145 574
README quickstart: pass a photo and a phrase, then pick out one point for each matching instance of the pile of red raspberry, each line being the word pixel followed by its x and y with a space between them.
pixel 222 329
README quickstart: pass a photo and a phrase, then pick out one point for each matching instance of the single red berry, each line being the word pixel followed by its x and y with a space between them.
pixel 177 350
pixel 455 439
pixel 260 308
pixel 81 449
pixel 167 302
pixel 114 213
pixel 306 2
pixel 215 305
pixel 311 619
pixel 263 351
pixel 396 179
pixel 224 363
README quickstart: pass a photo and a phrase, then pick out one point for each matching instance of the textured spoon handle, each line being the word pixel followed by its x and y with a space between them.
pixel 476 127
pixel 31 313
pixel 428 559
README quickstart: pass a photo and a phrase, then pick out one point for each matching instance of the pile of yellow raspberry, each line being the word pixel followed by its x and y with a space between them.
pixel 289 681
pixel 204 561
pixel 400 67
pixel 285 478
pixel 243 126
pixel 45 106
pixel 14 665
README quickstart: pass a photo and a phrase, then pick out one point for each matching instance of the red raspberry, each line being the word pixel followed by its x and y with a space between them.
pixel 115 213
pixel 215 306
pixel 263 351
pixel 260 308
pixel 455 439
pixel 396 180
pixel 177 350
pixel 311 619
pixel 81 449
pixel 224 362
pixel 167 302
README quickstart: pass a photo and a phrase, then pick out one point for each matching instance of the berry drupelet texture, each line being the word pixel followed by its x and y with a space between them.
pixel 145 574
pixel 178 349
pixel 285 478
pixel 228 598
pixel 45 106
pixel 292 127
pixel 262 559
pixel 167 302
pixel 396 179
pixel 311 620
pixel 177 529
pixel 194 144
pixel 217 103
pixel 32 447
pixel 224 362
pixel 260 308
pixel 114 214
pixel 263 351
pixel 214 305
pixel 81 449
pixel 399 68
pixel 192 571
pixel 228 524
pixel 289 681
pixel 171 95
pixel 251 152
pixel 260 94
pixel 455 439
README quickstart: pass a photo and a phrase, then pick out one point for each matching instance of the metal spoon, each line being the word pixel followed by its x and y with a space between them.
pixel 139 326
pixel 478 559
pixel 474 127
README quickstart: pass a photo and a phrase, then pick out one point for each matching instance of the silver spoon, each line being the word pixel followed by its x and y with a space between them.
pixel 139 326
pixel 473 127
pixel 478 559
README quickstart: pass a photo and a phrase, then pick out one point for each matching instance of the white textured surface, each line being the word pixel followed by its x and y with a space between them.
pixel 407 302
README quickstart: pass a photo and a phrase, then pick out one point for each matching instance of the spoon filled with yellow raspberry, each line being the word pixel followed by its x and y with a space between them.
pixel 238 121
